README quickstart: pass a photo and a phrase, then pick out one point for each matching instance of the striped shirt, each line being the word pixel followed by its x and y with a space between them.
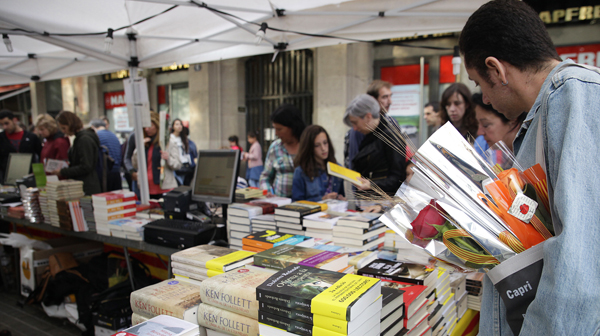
pixel 278 172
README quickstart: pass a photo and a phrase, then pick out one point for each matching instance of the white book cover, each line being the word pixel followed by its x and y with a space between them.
pixel 244 210
pixel 320 220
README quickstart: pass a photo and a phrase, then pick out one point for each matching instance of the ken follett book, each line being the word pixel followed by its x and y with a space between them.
pixel 328 293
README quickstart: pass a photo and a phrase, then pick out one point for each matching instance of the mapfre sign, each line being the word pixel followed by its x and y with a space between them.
pixel 585 54
pixel 114 99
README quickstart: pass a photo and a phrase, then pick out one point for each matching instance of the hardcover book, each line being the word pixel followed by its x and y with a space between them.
pixel 234 291
pixel 297 209
pixel 282 256
pixel 162 325
pixel 213 257
pixel 228 322
pixel 169 297
pixel 322 292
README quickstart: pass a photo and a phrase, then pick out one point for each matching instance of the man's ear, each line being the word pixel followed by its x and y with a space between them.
pixel 496 70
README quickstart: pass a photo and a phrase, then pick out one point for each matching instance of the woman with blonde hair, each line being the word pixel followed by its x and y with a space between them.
pixel 56 145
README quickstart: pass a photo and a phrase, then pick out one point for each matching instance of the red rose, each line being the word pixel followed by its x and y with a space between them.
pixel 422 225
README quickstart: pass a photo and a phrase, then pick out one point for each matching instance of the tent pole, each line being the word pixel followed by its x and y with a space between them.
pixel 142 172
pixel 422 124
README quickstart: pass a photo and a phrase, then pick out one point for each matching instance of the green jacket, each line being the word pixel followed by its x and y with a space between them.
pixel 83 158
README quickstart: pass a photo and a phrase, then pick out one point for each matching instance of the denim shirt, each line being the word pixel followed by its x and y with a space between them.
pixel 568 298
pixel 305 189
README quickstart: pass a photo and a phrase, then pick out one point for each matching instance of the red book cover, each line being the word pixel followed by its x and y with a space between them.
pixel 413 295
pixel 268 208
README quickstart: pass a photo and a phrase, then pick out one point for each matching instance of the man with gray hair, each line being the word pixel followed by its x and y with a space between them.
pixel 375 159
pixel 109 140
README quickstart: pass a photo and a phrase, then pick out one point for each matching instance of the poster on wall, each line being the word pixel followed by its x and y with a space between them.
pixel 405 107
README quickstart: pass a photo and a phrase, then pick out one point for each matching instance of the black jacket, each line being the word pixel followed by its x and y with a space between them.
pixel 30 143
pixel 83 158
pixel 379 162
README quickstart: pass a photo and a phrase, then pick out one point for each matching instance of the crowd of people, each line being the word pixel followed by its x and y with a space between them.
pixel 295 164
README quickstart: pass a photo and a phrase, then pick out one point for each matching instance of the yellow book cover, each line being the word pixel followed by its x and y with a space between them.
pixel 347 298
pixel 322 205
pixel 230 261
pixel 343 173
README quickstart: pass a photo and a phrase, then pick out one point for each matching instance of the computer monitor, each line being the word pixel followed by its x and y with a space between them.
pixel 19 165
pixel 216 175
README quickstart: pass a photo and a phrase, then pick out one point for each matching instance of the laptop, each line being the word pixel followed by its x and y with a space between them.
pixel 19 165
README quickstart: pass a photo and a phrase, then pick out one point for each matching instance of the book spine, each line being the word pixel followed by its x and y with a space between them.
pixel 293 314
pixel 148 305
pixel 112 200
pixel 390 277
pixel 225 321
pixel 255 243
pixel 293 326
pixel 283 300
pixel 188 261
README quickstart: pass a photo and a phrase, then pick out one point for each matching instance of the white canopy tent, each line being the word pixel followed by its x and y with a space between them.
pixel 65 38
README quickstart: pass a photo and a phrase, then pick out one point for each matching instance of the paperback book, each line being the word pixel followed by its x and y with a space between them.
pixel 234 291
pixel 282 256
pixel 228 322
pixel 399 271
pixel 363 220
pixel 213 257
pixel 319 291
pixel 162 325
pixel 297 209
pixel 270 238
pixel 169 297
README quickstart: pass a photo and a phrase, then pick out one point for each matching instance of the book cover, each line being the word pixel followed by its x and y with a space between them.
pixel 399 271
pixel 315 290
pixel 268 207
pixel 379 232
pixel 162 325
pixel 110 208
pixel 228 322
pixel 358 231
pixel 266 239
pixel 169 297
pixel 297 209
pixel 282 256
pixel 343 173
pixel 131 224
pixel 200 256
pixel 279 201
pixel 205 272
pixel 264 219
pixel 392 299
pixel 359 241
pixel 112 197
pixel 363 258
pixel 234 291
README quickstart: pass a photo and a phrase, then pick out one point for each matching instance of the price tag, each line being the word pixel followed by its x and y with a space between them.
pixel 523 208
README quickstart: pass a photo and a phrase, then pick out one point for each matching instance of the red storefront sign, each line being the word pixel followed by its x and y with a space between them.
pixel 114 99
pixel 584 54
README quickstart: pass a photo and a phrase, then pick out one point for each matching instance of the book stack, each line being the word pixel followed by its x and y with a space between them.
pixel 44 205
pixel 320 225
pixel 232 297
pixel 392 312
pixel 474 284
pixel 31 204
pixel 111 206
pixel 169 297
pixel 264 240
pixel 77 218
pixel 361 231
pixel 128 228
pixel 282 256
pixel 153 214
pixel 61 190
pixel 263 222
pixel 444 316
pixel 458 286
pixel 88 212
pixel 335 205
pixel 239 216
pixel 198 263
pixel 419 283
pixel 302 300
pixel 289 217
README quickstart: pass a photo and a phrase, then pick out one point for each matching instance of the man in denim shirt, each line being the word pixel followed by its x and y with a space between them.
pixel 508 52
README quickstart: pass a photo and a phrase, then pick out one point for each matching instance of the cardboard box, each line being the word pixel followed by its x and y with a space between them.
pixel 33 264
